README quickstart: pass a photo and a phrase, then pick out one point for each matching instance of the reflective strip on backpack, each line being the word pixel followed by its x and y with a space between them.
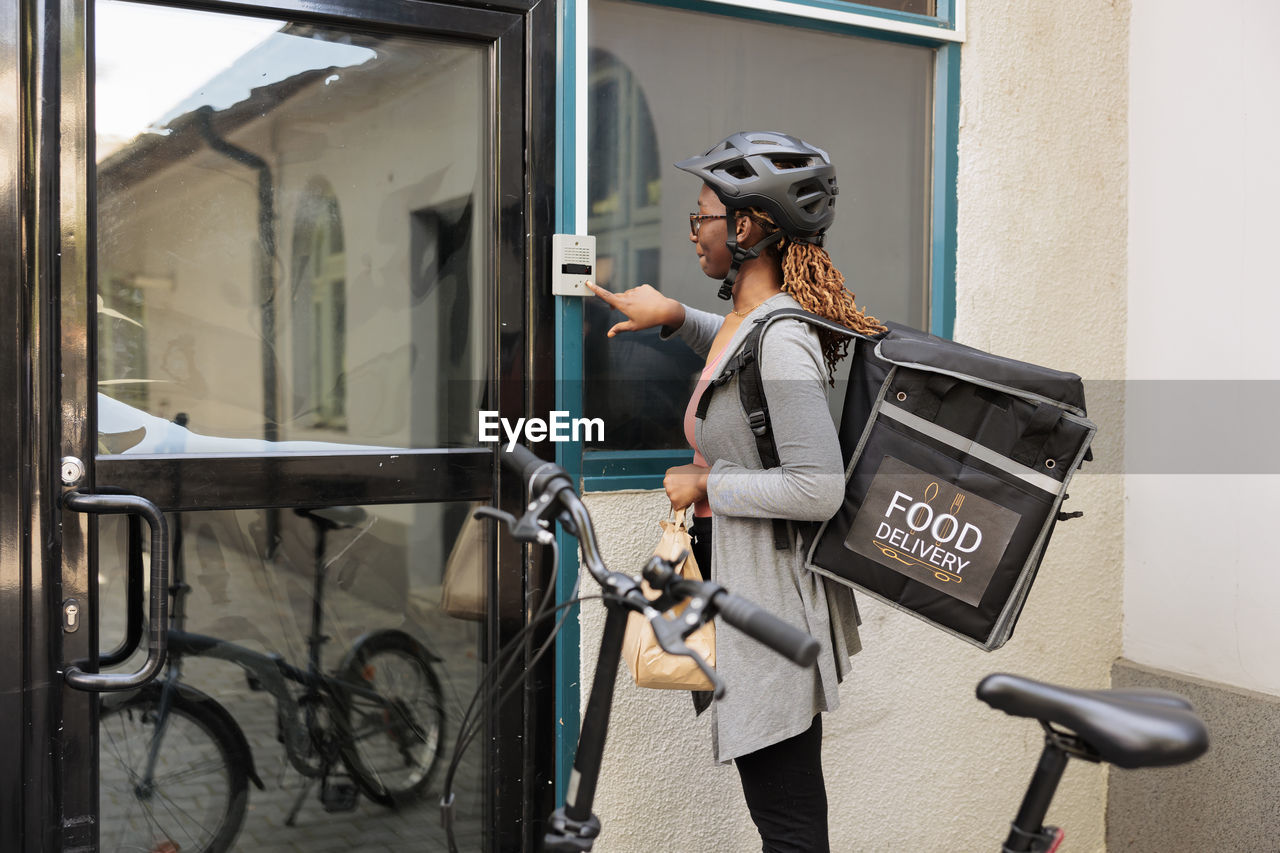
pixel 977 451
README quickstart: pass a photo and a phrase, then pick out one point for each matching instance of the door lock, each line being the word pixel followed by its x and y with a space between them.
pixel 70 615
pixel 72 471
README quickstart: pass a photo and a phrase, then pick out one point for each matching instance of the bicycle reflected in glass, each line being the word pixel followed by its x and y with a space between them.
pixel 176 766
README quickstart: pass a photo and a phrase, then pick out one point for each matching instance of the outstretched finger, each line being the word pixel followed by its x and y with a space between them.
pixel 624 326
pixel 608 296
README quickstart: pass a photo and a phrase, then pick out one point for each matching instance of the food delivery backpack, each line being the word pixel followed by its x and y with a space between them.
pixel 956 466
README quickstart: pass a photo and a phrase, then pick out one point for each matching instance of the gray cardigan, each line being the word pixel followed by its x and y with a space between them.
pixel 770 699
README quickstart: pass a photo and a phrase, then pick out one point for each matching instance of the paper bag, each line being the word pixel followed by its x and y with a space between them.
pixel 463 596
pixel 650 665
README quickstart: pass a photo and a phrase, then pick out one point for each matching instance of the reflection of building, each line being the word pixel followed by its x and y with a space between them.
pixel 624 183
pixel 271 240
pixel 286 283
pixel 637 384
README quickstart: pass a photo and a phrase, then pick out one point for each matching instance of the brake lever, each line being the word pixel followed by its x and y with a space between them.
pixel 498 515
pixel 670 634
pixel 566 521
pixel 529 527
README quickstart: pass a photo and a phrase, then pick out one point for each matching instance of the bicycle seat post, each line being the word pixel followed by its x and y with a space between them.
pixel 1027 828
pixel 315 639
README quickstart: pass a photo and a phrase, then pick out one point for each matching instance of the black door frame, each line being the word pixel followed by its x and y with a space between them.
pixel 47 732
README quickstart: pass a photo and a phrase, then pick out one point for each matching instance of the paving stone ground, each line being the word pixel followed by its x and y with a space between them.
pixel 265 605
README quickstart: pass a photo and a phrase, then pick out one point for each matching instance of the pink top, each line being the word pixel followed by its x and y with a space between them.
pixel 702 508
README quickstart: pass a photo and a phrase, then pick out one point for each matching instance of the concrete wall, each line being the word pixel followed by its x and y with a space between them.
pixel 1224 800
pixel 913 760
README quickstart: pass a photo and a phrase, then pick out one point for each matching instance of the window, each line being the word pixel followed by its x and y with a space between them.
pixel 262 201
pixel 667 82
pixel 636 383
pixel 319 311
pixel 915 7
pixel 122 341
pixel 310 209
pixel 870 103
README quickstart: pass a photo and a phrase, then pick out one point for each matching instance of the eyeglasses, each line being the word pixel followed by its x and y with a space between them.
pixel 696 220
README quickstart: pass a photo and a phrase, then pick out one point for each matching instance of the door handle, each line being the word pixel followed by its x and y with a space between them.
pixel 158 611
pixel 133 599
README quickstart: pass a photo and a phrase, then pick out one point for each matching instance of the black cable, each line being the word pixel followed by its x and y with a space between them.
pixel 470 725
pixel 468 730
pixel 542 650
pixel 446 799
pixel 509 649
pixel 493 675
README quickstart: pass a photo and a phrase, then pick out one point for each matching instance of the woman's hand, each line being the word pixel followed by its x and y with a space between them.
pixel 644 307
pixel 686 484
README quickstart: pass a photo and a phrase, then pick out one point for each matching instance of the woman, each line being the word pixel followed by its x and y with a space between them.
pixel 766 202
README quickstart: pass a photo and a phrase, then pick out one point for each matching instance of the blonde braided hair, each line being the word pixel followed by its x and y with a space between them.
pixel 810 277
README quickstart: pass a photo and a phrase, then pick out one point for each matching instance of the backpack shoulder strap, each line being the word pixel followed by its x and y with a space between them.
pixel 745 364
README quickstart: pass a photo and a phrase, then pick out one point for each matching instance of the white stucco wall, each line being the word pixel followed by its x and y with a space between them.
pixel 913 760
pixel 1201 588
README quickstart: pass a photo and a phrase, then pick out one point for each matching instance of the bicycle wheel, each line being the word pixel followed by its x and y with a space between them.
pixel 393 720
pixel 194 801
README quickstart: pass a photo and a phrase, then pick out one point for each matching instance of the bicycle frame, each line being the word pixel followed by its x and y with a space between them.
pixel 272 673
pixel 269 672
pixel 573 827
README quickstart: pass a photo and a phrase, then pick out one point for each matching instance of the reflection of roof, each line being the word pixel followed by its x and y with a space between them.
pixel 124 429
pixel 277 69
pixel 280 56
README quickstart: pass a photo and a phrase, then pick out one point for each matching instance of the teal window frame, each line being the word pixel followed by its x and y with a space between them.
pixel 614 470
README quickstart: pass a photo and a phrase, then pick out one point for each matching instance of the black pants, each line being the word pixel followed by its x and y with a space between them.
pixel 786 793
pixel 700 534
pixel 783 783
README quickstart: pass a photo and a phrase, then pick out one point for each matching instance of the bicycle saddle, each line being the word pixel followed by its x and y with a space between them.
pixel 334 517
pixel 1128 728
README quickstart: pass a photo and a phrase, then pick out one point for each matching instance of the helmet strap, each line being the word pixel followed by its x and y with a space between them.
pixel 741 256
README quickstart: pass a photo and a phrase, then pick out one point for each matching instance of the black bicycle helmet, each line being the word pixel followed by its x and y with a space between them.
pixel 791 180
pixel 787 177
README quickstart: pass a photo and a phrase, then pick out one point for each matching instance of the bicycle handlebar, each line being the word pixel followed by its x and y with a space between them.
pixel 549 481
pixel 536 473
pixel 762 626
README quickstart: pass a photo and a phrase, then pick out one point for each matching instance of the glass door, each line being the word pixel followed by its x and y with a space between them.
pixel 285 265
